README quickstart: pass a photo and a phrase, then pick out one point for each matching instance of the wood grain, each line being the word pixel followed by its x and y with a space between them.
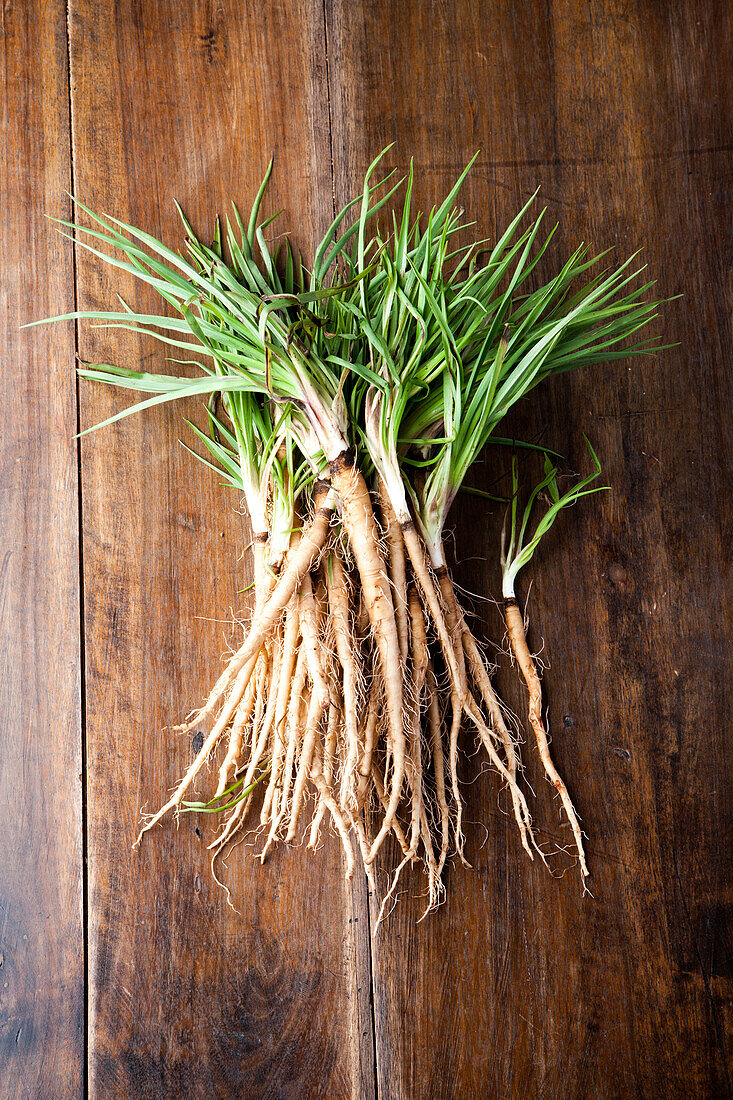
pixel 41 930
pixel 519 987
pixel 187 996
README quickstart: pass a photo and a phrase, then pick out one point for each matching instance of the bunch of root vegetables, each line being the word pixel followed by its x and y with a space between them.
pixel 346 401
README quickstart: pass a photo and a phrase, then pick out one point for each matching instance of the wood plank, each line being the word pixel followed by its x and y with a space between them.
pixel 519 987
pixel 41 919
pixel 187 996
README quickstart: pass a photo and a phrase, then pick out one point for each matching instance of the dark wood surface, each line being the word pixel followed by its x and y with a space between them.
pixel 518 987
pixel 41 834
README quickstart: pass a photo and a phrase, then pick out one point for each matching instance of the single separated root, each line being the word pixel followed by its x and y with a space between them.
pixel 520 648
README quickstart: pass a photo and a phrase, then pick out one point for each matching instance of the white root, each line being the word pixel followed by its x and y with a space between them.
pixel 346 650
pixel 242 716
pixel 329 753
pixel 280 778
pixel 358 519
pixel 284 686
pixel 318 698
pixel 518 639
pixel 300 560
pixel 294 704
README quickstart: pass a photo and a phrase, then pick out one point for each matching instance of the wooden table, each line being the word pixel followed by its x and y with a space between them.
pixel 127 975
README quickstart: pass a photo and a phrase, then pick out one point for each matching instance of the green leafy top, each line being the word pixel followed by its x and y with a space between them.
pixel 404 345
pixel 522 545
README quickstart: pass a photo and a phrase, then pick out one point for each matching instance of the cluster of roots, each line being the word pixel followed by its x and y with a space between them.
pixel 356 675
